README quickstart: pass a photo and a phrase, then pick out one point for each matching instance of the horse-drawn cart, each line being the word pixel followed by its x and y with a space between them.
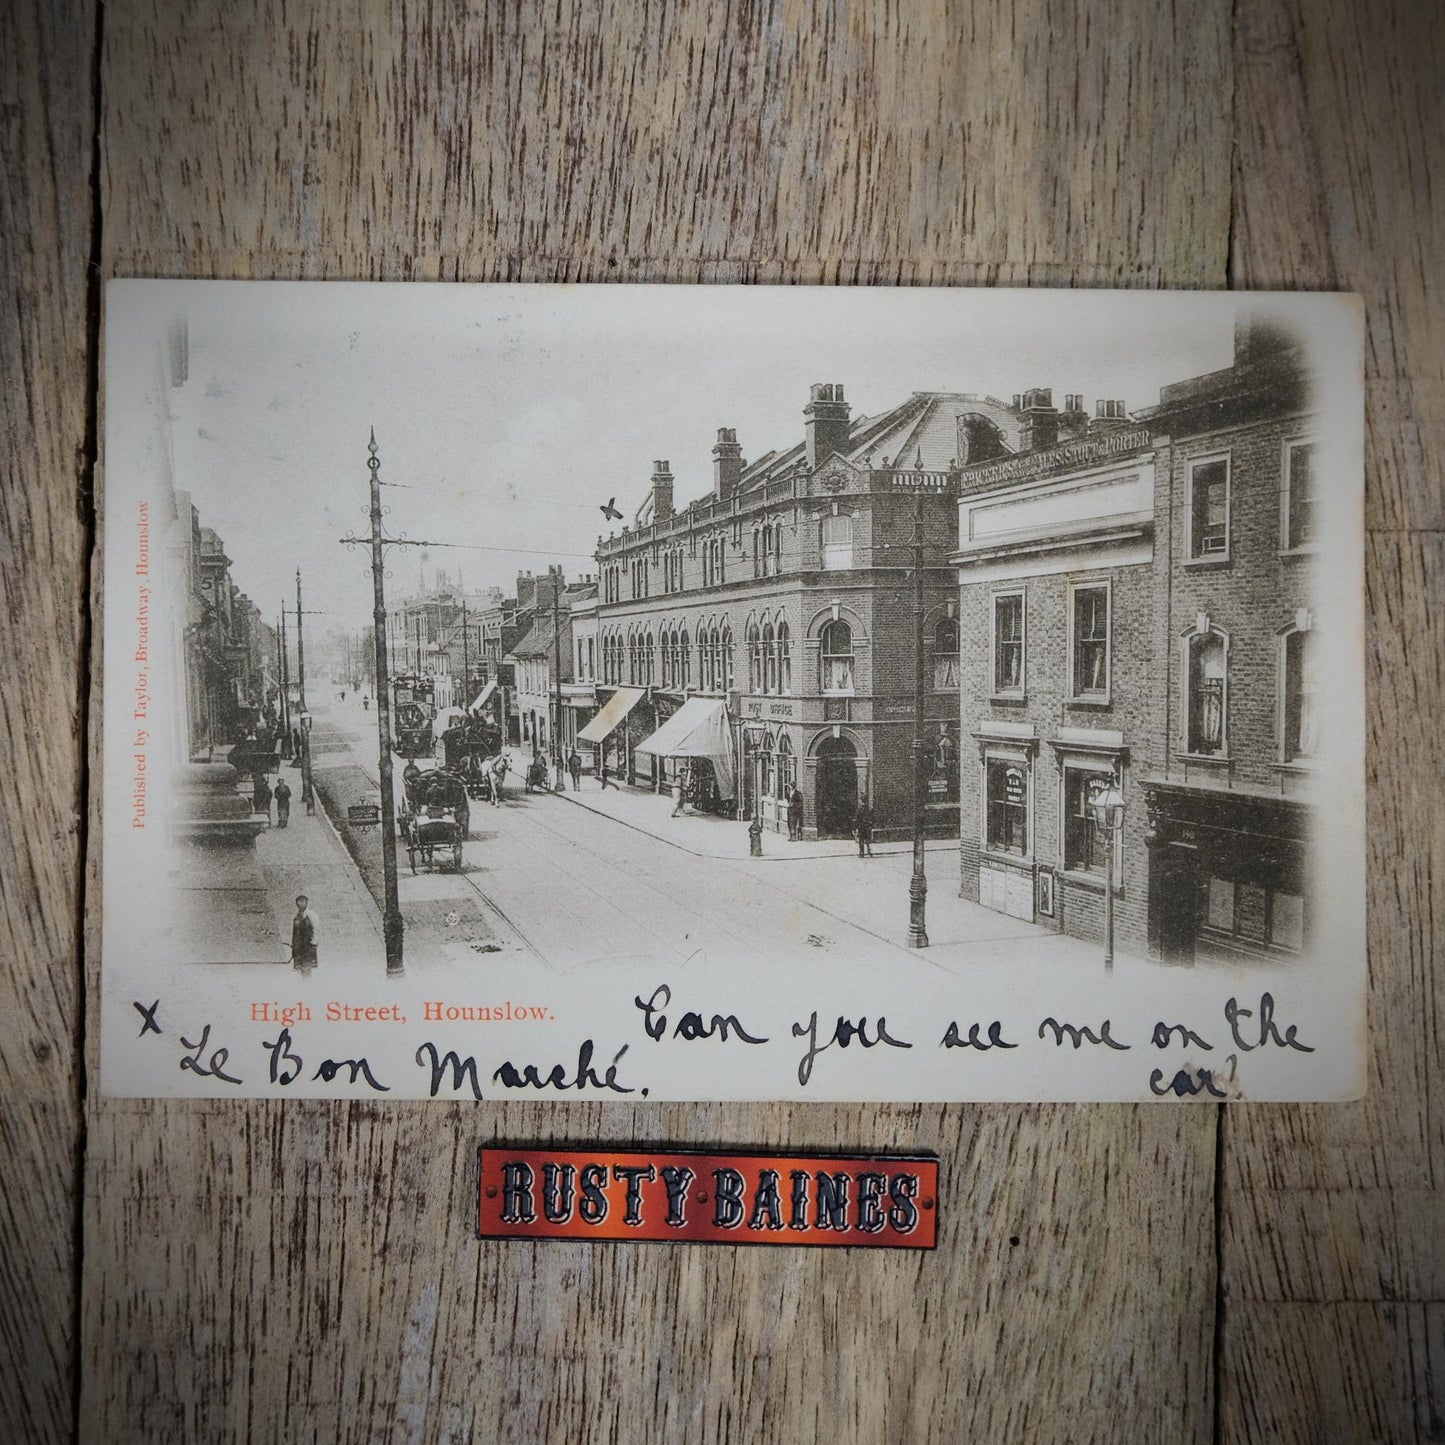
pixel 435 818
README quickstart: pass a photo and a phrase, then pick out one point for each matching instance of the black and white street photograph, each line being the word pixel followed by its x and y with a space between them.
pixel 725 692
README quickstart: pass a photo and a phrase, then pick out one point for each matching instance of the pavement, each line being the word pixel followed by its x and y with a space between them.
pixel 705 835
pixel 307 857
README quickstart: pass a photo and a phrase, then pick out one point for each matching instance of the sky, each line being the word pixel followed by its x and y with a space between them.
pixel 505 416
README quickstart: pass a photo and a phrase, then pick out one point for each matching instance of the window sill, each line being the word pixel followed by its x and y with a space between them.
pixel 1303 767
pixel 1218 760
pixel 1006 860
pixel 1008 699
pixel 1093 882
pixel 1210 563
pixel 1305 549
pixel 1106 700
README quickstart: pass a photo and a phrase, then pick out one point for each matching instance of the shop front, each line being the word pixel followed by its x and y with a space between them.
pixel 1228 877
pixel 1006 874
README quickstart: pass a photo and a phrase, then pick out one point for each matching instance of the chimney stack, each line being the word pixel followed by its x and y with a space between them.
pixel 727 463
pixel 1041 419
pixel 1109 416
pixel 826 431
pixel 661 492
pixel 1073 420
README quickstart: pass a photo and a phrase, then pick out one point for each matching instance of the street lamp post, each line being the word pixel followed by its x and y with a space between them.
pixel 755 733
pixel 918 883
pixel 1106 803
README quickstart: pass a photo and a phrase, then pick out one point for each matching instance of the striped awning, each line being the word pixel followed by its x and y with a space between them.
pixel 610 715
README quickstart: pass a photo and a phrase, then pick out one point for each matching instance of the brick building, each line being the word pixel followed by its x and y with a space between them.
pixel 781 602
pixel 1057 601
pixel 1137 606
pixel 1229 810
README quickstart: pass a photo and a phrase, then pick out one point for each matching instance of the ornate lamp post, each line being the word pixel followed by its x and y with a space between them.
pixel 1106 803
pixel 918 883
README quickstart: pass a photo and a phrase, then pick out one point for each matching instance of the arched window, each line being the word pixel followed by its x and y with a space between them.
pixel 725 660
pixel 776 564
pixel 785 659
pixel 770 660
pixel 1206 664
pixel 787 766
pixel 685 680
pixel 837 657
pixel 632 658
pixel 755 658
pixel 719 567
pixel 945 655
pixel 767 771
pixel 757 553
pixel 647 659
pixel 837 542
pixel 1301 694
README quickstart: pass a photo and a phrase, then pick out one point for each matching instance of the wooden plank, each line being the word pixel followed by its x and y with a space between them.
pixel 46 131
pixel 1333 1219
pixel 308 1272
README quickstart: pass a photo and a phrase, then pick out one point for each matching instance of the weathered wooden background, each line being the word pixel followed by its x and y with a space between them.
pixel 235 1271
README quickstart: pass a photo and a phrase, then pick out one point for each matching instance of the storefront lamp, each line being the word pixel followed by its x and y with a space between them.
pixel 1106 803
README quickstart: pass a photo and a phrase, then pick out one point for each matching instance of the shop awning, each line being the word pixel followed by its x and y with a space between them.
pixel 698 729
pixel 610 714
pixel 484 694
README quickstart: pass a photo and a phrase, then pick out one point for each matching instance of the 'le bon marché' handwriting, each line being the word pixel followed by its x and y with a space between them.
pixel 206 1054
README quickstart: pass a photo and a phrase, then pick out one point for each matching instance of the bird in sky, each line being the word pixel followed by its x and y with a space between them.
pixel 610 510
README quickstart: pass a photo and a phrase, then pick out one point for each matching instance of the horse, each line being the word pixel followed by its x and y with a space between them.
pixel 494 772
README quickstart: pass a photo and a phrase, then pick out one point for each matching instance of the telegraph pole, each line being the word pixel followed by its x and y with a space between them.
pixel 557 681
pixel 466 656
pixel 918 884
pixel 391 911
pixel 285 689
pixel 392 927
pixel 307 796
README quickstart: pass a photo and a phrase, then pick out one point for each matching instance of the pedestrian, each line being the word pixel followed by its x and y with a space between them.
pixel 863 826
pixel 574 766
pixel 795 814
pixel 366 704
pixel 308 796
pixel 606 779
pixel 283 802
pixel 681 785
pixel 296 745
pixel 304 929
pixel 263 797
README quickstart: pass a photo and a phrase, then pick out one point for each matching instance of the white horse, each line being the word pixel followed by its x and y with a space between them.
pixel 494 772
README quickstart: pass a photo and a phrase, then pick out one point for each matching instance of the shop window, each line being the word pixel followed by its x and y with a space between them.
pixel 1252 916
pixel 837 657
pixel 1086 845
pixel 1091 642
pixel 1209 508
pixel 837 542
pixel 1007 810
pixel 1008 644
pixel 945 655
pixel 1299 494
pixel 1301 696
pixel 1205 701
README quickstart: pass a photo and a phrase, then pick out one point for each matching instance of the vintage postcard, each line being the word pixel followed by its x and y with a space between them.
pixel 666 693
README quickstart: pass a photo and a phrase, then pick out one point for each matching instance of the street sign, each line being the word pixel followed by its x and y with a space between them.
pixel 364 815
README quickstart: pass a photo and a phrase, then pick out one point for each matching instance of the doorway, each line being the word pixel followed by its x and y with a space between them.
pixel 1175 903
pixel 837 787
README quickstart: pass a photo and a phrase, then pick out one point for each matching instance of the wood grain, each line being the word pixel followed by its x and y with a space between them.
pixel 1333 1219
pixel 306 1272
pixel 45 232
